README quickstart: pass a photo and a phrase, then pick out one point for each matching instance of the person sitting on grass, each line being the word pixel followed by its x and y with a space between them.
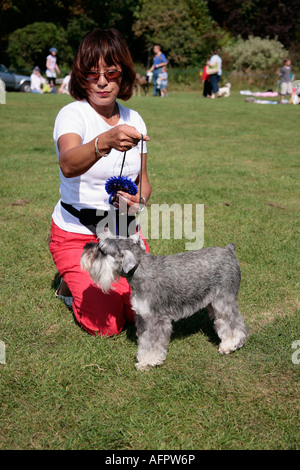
pixel 36 81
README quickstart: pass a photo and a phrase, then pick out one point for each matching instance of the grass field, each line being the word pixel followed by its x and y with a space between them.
pixel 63 389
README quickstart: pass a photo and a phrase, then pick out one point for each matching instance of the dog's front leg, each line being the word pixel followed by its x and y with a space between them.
pixel 153 340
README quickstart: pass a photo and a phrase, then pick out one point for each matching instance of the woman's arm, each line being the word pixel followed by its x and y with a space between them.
pixel 76 158
pixel 48 64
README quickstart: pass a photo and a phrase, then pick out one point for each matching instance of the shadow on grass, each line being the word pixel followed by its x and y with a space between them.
pixel 199 322
pixel 55 281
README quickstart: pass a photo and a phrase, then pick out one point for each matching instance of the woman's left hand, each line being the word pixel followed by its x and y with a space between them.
pixel 126 202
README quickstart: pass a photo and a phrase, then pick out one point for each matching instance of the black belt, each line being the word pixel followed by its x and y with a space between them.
pixel 96 220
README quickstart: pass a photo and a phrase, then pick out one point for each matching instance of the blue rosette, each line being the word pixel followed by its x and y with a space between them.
pixel 120 183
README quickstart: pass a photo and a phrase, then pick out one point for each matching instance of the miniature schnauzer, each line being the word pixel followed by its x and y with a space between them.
pixel 168 288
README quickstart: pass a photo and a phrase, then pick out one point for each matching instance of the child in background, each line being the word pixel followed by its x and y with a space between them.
pixel 163 82
pixel 206 82
pixel 286 82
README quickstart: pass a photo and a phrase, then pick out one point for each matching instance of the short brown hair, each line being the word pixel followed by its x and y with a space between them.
pixel 109 45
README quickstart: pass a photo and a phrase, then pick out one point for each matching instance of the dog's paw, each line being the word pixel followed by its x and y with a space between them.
pixel 225 349
pixel 142 367
pixel 230 345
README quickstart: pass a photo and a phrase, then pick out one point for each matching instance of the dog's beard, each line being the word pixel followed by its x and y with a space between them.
pixel 101 269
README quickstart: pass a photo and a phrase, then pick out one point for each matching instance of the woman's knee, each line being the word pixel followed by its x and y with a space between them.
pixel 98 313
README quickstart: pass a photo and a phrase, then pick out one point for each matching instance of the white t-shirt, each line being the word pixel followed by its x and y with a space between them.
pixel 215 59
pixel 36 81
pixel 66 83
pixel 88 189
pixel 50 72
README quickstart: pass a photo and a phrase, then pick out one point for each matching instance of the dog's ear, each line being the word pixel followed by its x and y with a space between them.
pixel 88 256
pixel 103 233
pixel 128 261
pixel 138 241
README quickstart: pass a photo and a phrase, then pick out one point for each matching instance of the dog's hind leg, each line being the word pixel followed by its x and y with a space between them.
pixel 229 324
pixel 153 340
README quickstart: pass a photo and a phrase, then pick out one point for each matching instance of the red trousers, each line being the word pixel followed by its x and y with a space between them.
pixel 96 312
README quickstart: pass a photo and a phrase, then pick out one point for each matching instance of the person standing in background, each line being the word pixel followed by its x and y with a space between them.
pixel 215 61
pixel 163 76
pixel 52 66
pixel 159 61
pixel 206 81
pixel 286 82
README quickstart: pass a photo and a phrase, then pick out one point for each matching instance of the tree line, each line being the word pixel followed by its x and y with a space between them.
pixel 187 30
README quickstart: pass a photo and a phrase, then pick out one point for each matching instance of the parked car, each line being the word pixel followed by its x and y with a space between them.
pixel 14 81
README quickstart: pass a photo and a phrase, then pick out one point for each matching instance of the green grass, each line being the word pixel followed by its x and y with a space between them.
pixel 63 389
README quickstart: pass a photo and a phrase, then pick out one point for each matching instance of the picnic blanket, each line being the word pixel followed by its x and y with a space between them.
pixel 265 94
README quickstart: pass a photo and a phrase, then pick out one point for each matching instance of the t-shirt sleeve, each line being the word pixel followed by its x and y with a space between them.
pixel 68 121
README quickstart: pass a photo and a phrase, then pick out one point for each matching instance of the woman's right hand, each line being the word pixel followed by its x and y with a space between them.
pixel 121 137
pixel 76 158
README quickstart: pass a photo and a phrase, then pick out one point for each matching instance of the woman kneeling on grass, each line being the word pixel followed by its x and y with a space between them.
pixel 91 136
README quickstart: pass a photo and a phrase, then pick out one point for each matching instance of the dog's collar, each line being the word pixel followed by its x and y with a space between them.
pixel 131 272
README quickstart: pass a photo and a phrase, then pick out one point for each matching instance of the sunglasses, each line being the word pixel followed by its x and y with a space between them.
pixel 109 75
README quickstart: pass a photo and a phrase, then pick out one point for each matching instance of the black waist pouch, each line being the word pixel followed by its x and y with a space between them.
pixel 96 220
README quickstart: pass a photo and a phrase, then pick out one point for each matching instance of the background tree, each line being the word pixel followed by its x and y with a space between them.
pixel 263 18
pixel 70 15
pixel 183 28
pixel 77 28
pixel 186 29
pixel 30 46
pixel 255 54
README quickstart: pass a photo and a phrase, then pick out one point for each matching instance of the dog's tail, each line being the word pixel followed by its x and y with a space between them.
pixel 231 247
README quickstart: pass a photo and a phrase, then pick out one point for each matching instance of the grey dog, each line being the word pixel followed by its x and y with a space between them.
pixel 168 288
